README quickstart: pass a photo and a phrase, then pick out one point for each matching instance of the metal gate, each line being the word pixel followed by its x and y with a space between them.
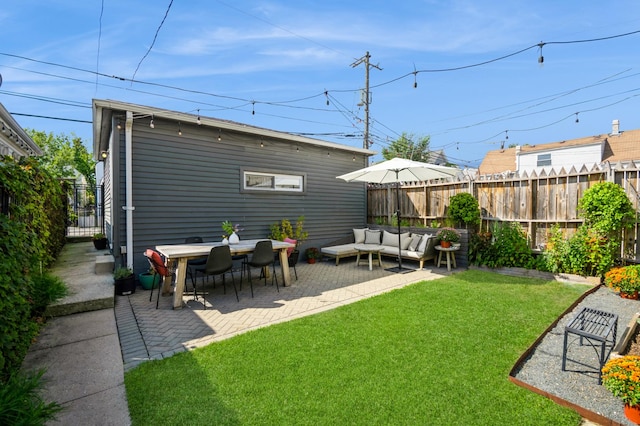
pixel 85 216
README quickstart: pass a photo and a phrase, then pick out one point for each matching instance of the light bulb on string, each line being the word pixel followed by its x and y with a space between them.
pixel 219 135
pixel 179 129
pixel 415 77
pixel 153 126
pixel 198 121
pixel 540 57
pixel 253 108
pixel 577 119
pixel 326 94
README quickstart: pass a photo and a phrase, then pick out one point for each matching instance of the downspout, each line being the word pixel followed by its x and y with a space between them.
pixel 128 208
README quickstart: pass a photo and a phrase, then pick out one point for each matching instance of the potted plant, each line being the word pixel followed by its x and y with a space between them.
pixel 312 254
pixel 99 241
pixel 621 376
pixel 124 281
pixel 624 279
pixel 231 232
pixel 447 236
pixel 284 229
pixel 149 279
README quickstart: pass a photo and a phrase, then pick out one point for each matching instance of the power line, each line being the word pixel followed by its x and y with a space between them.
pixel 153 42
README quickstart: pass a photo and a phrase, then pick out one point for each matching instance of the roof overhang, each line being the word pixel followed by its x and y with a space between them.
pixel 105 110
pixel 15 135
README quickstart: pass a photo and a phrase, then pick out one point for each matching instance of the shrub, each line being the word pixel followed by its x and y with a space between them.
pixel 625 279
pixel 606 207
pixel 464 208
pixel 505 246
pixel 46 289
pixel 589 252
pixel 21 404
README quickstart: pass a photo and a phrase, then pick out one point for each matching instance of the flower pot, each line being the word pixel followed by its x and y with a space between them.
pixel 225 242
pixel 629 295
pixel 632 413
pixel 311 260
pixel 125 286
pixel 149 281
pixel 100 244
pixel 445 244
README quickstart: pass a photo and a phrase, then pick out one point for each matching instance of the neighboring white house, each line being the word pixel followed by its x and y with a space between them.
pixel 14 141
pixel 613 147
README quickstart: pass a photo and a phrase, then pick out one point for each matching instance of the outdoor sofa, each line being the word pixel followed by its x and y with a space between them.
pixel 414 246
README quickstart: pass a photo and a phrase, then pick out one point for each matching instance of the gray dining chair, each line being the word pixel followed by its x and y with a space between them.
pixel 219 262
pixel 262 257
pixel 194 263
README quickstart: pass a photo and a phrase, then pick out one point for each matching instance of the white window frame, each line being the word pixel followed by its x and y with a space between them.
pixel 543 160
pixel 278 182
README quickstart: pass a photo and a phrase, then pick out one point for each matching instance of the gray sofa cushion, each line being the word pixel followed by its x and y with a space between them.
pixel 358 235
pixel 372 237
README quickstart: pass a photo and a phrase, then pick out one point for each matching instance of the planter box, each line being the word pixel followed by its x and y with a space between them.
pixel 125 286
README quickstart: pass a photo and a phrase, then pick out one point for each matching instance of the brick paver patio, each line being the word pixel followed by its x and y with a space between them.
pixel 148 333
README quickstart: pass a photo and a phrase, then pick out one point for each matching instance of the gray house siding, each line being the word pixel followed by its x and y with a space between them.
pixel 188 185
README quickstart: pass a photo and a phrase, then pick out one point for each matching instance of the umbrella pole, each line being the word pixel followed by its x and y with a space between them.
pixel 398 219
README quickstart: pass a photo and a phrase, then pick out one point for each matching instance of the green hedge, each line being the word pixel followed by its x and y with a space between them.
pixel 32 235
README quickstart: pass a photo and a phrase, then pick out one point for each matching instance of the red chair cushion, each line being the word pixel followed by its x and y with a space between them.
pixel 290 249
pixel 157 263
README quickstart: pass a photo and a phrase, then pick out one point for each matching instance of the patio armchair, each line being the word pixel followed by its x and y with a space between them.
pixel 157 264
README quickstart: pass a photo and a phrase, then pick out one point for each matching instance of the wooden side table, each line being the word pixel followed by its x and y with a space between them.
pixel 450 254
pixel 368 249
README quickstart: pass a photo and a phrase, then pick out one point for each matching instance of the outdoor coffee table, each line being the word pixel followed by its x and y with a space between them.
pixel 369 249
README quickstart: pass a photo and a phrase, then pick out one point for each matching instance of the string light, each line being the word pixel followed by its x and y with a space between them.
pixel 179 129
pixel 540 57
pixel 219 135
pixel 198 121
pixel 577 119
pixel 415 77
pixel 119 126
pixel 326 94
pixel 253 108
pixel 153 126
pixel 297 149
pixel 261 143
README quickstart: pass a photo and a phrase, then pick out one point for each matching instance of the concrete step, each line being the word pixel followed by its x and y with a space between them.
pixel 87 273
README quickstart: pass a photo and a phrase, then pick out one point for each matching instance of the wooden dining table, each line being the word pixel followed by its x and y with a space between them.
pixel 177 255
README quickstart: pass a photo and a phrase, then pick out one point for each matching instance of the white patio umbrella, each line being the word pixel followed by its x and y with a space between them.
pixel 395 171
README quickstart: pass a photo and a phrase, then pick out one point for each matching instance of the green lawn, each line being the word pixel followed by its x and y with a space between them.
pixel 437 353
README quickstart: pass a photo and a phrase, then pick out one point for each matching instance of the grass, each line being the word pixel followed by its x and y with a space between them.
pixel 438 352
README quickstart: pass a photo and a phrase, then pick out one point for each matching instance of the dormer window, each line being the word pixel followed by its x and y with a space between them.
pixel 544 160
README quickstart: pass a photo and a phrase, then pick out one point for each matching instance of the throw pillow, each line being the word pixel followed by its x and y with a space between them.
pixel 290 249
pixel 358 235
pixel 423 243
pixel 371 237
pixel 415 242
pixel 389 239
pixel 405 240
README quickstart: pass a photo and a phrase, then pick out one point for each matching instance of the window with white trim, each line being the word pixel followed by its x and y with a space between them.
pixel 259 181
pixel 544 160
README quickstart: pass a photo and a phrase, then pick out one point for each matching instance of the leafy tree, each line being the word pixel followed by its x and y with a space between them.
pixel 405 147
pixel 464 208
pixel 63 156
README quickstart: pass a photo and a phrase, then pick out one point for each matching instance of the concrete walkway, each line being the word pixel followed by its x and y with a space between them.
pixel 87 353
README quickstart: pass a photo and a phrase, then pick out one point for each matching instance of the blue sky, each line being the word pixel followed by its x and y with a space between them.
pixel 269 64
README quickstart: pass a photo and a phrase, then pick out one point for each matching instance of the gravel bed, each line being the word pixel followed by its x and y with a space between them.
pixel 579 384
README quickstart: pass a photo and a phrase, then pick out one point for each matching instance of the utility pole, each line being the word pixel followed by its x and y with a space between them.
pixel 366 98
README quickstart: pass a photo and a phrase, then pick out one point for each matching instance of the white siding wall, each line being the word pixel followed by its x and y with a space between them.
pixel 566 158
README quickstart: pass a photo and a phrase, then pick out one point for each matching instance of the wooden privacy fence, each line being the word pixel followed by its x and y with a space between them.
pixel 537 201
